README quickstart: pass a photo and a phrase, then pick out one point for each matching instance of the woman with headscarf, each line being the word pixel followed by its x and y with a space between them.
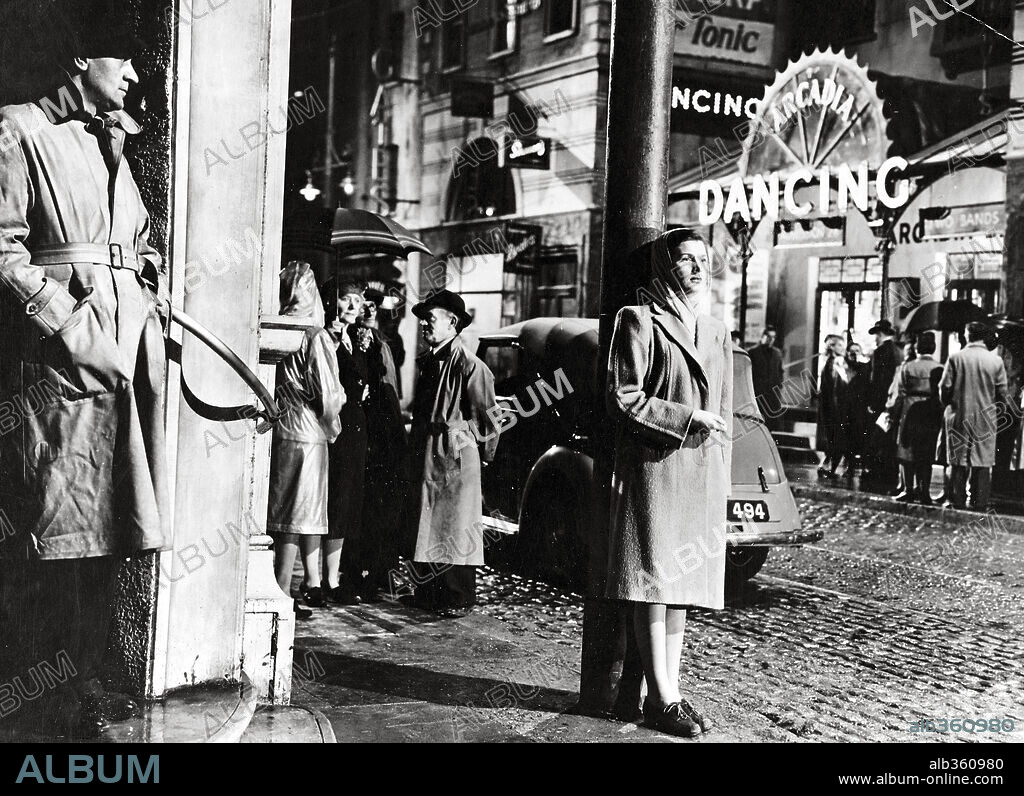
pixel 670 390
pixel 309 391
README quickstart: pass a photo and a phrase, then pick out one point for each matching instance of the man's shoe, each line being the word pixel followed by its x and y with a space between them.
pixel 904 497
pixel 300 612
pixel 313 595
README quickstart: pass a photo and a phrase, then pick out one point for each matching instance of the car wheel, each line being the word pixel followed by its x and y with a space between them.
pixel 550 547
pixel 742 563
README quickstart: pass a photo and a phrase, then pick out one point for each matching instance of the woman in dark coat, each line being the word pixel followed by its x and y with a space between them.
pixel 344 302
pixel 835 409
pixel 670 390
pixel 386 481
pixel 860 383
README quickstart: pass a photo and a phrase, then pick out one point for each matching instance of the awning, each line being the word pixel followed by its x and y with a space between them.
pixel 982 144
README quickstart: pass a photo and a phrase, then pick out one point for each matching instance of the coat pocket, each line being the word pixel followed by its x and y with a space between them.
pixel 68 455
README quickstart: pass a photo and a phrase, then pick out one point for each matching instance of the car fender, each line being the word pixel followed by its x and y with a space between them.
pixel 575 467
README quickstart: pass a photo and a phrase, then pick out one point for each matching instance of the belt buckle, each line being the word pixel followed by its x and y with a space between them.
pixel 120 255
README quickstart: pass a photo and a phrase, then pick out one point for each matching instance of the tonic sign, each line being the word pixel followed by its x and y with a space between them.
pixel 737 30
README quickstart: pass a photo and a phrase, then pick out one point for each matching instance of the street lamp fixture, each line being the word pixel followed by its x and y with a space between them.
pixel 310 192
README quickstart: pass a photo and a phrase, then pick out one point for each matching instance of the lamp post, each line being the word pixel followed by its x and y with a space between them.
pixel 636 185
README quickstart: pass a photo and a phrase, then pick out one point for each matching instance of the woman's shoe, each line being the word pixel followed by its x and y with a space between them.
pixel 670 719
pixel 691 713
pixel 300 612
pixel 313 595
pixel 340 595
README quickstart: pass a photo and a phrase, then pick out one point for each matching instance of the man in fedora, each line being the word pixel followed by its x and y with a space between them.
pixel 82 465
pixel 883 468
pixel 453 432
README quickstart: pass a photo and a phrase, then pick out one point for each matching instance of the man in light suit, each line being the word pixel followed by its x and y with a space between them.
pixel 973 388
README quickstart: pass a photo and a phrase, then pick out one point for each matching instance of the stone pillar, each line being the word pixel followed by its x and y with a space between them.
pixel 219 610
pixel 1014 249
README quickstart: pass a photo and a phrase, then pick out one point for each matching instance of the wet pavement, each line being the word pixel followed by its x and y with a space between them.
pixel 888 620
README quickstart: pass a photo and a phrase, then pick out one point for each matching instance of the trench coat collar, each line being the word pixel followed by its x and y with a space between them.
pixel 678 333
pixel 52 102
pixel 443 354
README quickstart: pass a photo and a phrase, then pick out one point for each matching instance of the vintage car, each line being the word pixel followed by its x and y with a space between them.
pixel 539 489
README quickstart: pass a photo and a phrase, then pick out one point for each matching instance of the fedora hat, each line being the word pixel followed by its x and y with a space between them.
pixel 445 300
pixel 884 326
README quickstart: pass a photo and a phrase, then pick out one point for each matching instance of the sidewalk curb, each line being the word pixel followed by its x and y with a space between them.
pixel 1010 523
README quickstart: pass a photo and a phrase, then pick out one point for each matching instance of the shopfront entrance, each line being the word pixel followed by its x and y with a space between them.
pixel 849 298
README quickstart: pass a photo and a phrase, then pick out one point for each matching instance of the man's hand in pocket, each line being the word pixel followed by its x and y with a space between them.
pixel 85 353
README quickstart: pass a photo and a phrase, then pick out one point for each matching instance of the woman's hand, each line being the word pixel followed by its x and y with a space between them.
pixel 706 421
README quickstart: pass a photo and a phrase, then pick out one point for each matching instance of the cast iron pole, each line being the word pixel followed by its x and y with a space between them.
pixel 636 186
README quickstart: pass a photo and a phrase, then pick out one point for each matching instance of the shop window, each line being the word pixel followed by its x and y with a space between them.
pixel 557 292
pixel 849 269
pixel 503 27
pixel 453 44
pixel 560 18
pixel 479 186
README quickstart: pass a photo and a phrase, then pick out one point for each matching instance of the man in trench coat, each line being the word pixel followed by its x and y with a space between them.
pixel 454 431
pixel 973 387
pixel 82 480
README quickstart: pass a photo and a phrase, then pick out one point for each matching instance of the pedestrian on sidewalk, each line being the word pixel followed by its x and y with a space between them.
pixel 343 571
pixel 882 474
pixel 670 391
pixel 454 432
pixel 83 482
pixel 386 480
pixel 767 373
pixel 309 392
pixel 914 408
pixel 835 409
pixel 858 415
pixel 973 388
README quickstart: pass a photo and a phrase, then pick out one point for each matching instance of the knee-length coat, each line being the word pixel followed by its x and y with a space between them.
pixel 454 429
pixel 973 387
pixel 670 483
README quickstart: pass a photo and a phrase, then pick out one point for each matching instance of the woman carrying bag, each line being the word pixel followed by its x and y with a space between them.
pixel 670 390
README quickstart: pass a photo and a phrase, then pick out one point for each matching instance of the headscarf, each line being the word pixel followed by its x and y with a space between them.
pixel 299 296
pixel 665 283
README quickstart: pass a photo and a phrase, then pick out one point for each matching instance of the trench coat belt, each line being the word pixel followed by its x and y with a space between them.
pixel 112 255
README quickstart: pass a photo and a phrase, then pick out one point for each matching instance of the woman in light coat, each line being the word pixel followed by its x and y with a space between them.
pixel 309 389
pixel 670 389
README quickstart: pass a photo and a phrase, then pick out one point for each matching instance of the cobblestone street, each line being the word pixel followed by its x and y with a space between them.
pixel 886 621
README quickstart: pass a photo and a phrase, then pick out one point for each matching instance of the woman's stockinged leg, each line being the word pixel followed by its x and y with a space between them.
pixel 311 560
pixel 675 624
pixel 286 547
pixel 332 562
pixel 649 624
